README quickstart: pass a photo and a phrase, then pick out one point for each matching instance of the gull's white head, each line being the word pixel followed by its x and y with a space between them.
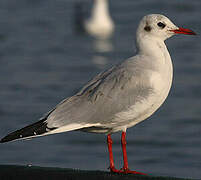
pixel 159 27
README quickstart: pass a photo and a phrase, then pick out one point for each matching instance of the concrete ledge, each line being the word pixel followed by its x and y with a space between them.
pixel 13 172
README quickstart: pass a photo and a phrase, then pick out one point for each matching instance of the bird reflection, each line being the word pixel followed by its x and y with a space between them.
pixel 99 61
pixel 101 45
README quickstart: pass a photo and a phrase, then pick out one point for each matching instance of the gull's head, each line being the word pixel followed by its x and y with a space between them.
pixel 160 27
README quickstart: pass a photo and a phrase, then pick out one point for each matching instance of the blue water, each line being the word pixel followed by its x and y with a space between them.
pixel 43 61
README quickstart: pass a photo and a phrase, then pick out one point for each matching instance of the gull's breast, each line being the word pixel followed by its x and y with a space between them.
pixel 144 107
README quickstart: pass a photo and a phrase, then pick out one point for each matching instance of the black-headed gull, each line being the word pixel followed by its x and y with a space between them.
pixel 120 97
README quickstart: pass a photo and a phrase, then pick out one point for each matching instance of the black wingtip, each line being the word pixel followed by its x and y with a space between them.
pixel 5 139
pixel 11 137
pixel 30 131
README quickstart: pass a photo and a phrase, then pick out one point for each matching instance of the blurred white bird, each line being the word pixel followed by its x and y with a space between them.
pixel 120 97
pixel 100 24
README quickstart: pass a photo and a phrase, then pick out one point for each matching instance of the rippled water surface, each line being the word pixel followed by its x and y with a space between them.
pixel 43 60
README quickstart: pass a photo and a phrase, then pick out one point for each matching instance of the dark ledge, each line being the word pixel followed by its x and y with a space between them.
pixel 13 172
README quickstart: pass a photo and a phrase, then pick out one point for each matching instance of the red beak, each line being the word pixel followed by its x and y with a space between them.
pixel 183 31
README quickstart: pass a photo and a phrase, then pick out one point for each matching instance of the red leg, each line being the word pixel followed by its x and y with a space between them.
pixel 125 168
pixel 109 143
pixel 123 144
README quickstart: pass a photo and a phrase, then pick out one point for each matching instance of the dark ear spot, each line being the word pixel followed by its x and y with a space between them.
pixel 147 28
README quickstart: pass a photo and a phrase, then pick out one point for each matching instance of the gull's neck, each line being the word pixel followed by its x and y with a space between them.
pixel 154 48
pixel 150 46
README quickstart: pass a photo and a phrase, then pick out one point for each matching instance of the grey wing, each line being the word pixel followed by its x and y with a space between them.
pixel 78 108
pixel 100 99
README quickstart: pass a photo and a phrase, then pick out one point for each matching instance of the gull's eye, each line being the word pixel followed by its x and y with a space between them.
pixel 161 25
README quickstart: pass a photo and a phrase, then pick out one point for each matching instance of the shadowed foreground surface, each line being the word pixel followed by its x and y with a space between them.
pixel 35 172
